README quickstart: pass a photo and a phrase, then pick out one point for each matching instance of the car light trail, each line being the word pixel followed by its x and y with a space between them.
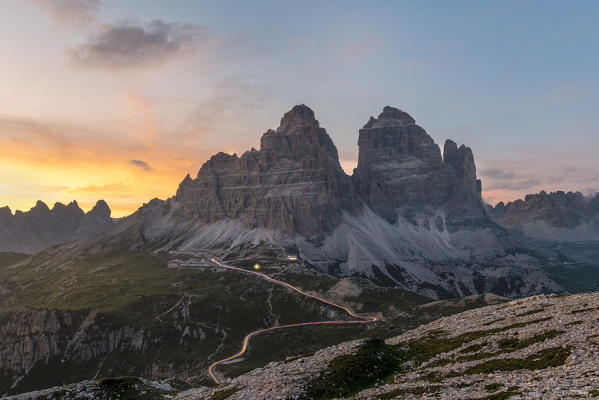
pixel 361 318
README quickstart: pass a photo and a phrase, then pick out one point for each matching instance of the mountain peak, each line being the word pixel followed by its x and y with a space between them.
pixel 397 114
pixel 40 206
pixel 5 212
pixel 101 209
pixel 300 116
pixel 390 116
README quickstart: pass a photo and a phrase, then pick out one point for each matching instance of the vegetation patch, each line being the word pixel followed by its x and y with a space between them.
pixel 223 394
pixel 551 357
pixel 473 348
pixel 583 310
pixel 573 323
pixel 128 387
pixel 499 396
pixel 429 346
pixel 494 321
pixel 419 390
pixel 516 344
pixel 9 258
pixel 506 345
pixel 348 374
pixel 493 387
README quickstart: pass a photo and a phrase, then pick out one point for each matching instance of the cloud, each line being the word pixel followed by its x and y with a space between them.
pixel 126 45
pixel 498 174
pixel 358 48
pixel 71 12
pixel 109 188
pixel 141 164
pixel 520 185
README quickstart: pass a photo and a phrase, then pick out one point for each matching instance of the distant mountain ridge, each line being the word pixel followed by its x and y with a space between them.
pixel 42 227
pixel 564 216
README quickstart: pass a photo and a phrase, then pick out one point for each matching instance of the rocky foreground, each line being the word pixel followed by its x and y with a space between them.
pixel 542 347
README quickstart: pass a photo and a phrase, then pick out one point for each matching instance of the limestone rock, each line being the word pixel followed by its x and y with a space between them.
pixel 400 170
pixel 294 183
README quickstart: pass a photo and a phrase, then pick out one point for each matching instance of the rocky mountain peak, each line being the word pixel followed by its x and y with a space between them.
pixel 100 210
pixel 5 211
pixel 392 113
pixel 294 183
pixel 461 158
pixel 390 116
pixel 300 136
pixel 5 216
pixel 400 167
pixel 297 119
pixel 40 206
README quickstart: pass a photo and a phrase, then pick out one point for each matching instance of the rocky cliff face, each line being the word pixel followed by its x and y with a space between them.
pixel 532 348
pixel 409 216
pixel 42 227
pixel 41 348
pixel 294 183
pixel 400 171
pixel 568 216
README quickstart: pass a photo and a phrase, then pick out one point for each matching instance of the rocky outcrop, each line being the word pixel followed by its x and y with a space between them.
pixel 40 348
pixel 401 171
pixel 568 216
pixel 293 184
pixel 42 227
pixel 534 348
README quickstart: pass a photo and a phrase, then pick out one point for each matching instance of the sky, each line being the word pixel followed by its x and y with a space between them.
pixel 119 100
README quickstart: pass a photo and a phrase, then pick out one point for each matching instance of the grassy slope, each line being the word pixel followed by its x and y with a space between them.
pixel 138 290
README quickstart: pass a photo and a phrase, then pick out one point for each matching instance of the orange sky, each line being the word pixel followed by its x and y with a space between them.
pixel 82 120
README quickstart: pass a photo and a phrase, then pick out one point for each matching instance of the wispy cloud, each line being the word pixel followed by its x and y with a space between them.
pixel 126 45
pixel 141 164
pixel 519 185
pixel 72 12
pixel 497 174
pixel 355 48
pixel 107 189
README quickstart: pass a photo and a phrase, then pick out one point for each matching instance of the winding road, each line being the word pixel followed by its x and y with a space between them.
pixel 361 319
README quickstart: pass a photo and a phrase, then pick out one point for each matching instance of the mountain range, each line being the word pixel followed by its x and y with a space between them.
pixel 85 296
pixel 42 227
pixel 409 215
pixel 558 215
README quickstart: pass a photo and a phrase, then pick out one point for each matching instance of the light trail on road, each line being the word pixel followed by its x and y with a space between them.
pixel 361 318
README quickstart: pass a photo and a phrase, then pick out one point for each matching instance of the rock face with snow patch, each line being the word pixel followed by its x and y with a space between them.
pixel 401 172
pixel 42 227
pixel 294 183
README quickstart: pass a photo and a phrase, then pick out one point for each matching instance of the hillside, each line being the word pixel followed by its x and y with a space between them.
pixel 538 347
pixel 67 317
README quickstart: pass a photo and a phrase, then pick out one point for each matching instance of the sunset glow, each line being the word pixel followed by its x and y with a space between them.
pixel 81 121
